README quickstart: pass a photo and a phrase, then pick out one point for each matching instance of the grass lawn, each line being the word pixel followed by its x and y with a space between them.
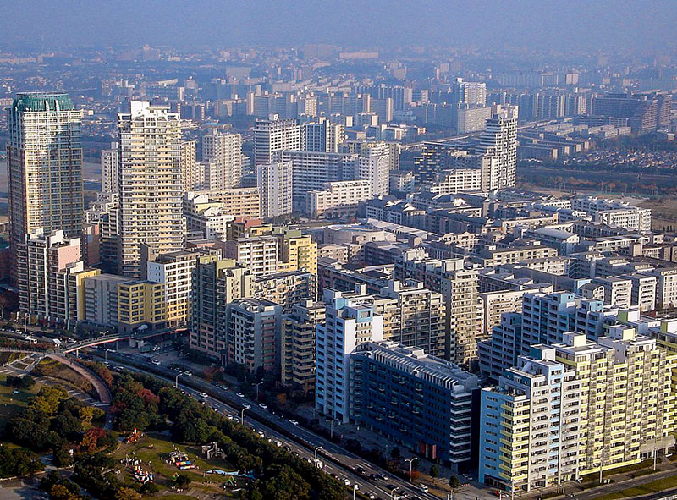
pixel 154 448
pixel 11 404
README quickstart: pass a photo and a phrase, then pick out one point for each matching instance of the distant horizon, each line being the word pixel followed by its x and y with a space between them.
pixel 640 25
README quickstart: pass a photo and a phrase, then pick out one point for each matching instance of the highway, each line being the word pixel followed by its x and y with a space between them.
pixel 337 461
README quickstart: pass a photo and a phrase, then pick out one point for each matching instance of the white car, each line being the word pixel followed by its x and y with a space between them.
pixel 294 422
pixel 188 373
pixel 239 395
pixel 346 481
pixel 423 488
pixel 263 405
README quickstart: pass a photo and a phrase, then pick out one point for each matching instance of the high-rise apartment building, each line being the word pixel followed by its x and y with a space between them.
pixel 614 403
pixel 44 286
pixel 192 172
pixel 499 141
pixel 349 322
pixel 470 93
pixel 297 350
pixel 259 254
pixel 297 251
pixel 274 182
pixel 44 159
pixel 530 431
pixel 254 329
pixel 110 161
pixel 286 288
pixel 275 136
pixel 313 169
pixel 413 398
pixel 322 136
pixel 223 160
pixel 151 191
pixel 216 283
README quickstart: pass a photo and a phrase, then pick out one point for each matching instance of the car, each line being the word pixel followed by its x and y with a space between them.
pixel 294 422
pixel 203 395
pixel 346 481
pixel 230 417
pixel 188 373
pixel 372 496
pixel 423 488
pixel 263 405
pixel 155 362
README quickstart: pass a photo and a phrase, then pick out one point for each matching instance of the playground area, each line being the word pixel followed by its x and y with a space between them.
pixel 156 459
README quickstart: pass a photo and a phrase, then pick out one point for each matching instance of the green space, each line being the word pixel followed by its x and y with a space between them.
pixel 55 369
pixel 13 400
pixel 154 449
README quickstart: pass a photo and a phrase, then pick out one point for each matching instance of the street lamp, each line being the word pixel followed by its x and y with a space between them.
pixel 176 380
pixel 242 414
pixel 354 491
pixel 392 493
pixel 257 384
pixel 317 448
pixel 410 460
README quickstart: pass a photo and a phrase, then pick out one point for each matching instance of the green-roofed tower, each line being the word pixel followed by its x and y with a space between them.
pixel 44 157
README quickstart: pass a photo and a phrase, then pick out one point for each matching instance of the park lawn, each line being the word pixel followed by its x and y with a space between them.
pixel 161 446
pixel 11 404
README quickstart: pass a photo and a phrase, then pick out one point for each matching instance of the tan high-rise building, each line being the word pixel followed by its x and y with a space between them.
pixel 151 201
pixel 44 157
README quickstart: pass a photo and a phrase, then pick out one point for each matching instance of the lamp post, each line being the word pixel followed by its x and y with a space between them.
pixel 354 491
pixel 257 384
pixel 317 448
pixel 176 380
pixel 392 493
pixel 410 460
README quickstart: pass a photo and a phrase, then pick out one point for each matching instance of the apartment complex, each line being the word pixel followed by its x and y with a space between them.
pixel 44 159
pixel 349 322
pixel 297 349
pixel 151 192
pixel 411 397
pixel 274 182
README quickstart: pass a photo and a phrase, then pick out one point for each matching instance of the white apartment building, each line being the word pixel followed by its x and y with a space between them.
pixel 311 170
pixel 499 141
pixel 151 191
pixel 456 180
pixel 260 254
pixel 275 184
pixel 223 160
pixel 275 136
pixel 349 322
pixel 337 198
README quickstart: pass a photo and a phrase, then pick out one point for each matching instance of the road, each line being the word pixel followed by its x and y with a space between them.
pixel 337 461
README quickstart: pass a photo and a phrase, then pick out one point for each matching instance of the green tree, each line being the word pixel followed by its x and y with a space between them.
pixel 454 482
pixel 124 493
pixel 181 480
pixel 434 471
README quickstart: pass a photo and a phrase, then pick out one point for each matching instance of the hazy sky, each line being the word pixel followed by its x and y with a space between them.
pixel 554 24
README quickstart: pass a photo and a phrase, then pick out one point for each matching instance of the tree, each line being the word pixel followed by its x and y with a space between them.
pixel 60 492
pixel 454 482
pixel 181 480
pixel 127 494
pixel 434 471
pixel 149 488
pixel 395 453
